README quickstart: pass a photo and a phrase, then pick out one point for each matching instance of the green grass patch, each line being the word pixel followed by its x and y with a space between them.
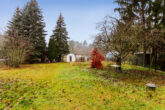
pixel 64 86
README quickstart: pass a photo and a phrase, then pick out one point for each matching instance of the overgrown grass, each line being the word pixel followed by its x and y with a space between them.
pixel 64 86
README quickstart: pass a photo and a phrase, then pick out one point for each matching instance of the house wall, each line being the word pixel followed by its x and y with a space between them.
pixel 75 58
pixel 86 58
pixel 68 58
pixel 81 58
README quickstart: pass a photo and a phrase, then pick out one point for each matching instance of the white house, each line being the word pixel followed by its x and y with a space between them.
pixel 75 58
pixel 70 58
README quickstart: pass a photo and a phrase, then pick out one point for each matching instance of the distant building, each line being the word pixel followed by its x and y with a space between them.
pixel 3 60
pixel 75 58
pixel 138 59
pixel 70 58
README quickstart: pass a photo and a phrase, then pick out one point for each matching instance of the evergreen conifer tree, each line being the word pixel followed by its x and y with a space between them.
pixel 32 26
pixel 163 12
pixel 52 49
pixel 15 23
pixel 60 36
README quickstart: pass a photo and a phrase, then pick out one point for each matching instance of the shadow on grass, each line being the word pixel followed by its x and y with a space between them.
pixel 133 76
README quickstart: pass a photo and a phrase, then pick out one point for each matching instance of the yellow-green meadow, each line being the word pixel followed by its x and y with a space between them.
pixel 70 86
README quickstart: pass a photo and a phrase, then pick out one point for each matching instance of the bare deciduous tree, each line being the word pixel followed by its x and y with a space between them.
pixel 118 38
pixel 15 49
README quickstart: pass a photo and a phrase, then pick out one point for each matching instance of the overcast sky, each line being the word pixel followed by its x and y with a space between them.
pixel 81 16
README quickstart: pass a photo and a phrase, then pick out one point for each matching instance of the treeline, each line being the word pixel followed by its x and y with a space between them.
pixel 140 27
pixel 80 48
pixel 25 38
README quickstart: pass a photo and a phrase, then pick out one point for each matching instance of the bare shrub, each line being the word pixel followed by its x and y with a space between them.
pixel 15 49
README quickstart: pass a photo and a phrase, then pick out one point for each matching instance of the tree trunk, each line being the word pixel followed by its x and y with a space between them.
pixel 119 63
pixel 144 22
pixel 155 59
pixel 43 59
pixel 144 58
pixel 151 59
pixel 59 58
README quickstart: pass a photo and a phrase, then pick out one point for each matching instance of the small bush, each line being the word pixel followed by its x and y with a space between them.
pixel 97 57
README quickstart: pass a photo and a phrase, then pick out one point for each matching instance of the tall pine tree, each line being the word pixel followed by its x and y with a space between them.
pixel 32 26
pixel 60 36
pixel 126 9
pixel 15 23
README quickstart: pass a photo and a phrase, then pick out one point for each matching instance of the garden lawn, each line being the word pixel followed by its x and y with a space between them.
pixel 64 86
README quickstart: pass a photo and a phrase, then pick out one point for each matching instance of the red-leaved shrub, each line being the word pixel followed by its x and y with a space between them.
pixel 96 57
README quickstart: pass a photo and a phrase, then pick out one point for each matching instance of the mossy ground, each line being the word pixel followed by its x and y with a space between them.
pixel 64 86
